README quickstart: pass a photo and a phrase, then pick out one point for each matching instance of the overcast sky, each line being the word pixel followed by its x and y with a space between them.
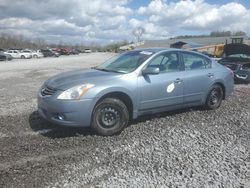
pixel 105 21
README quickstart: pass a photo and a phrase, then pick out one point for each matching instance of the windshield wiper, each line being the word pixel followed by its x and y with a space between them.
pixel 108 70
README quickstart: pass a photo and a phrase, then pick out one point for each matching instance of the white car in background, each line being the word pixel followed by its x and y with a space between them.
pixel 18 54
pixel 87 50
pixel 34 53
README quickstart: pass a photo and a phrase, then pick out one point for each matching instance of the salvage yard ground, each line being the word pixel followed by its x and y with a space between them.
pixel 192 147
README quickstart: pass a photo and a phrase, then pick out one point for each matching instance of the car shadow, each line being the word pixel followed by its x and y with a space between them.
pixel 47 129
pixel 148 117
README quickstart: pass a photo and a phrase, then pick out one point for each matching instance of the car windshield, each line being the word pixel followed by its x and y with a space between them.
pixel 126 62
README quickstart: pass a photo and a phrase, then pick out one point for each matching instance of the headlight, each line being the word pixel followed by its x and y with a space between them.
pixel 75 92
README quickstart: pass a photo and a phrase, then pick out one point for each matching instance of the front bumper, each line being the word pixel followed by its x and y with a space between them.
pixel 74 113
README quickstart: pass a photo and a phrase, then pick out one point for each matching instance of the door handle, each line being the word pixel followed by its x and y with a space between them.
pixel 210 75
pixel 178 81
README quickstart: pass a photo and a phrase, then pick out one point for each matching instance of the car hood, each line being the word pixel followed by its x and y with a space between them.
pixel 231 49
pixel 70 79
pixel 234 60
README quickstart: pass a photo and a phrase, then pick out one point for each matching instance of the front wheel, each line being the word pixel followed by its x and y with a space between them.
pixel 214 98
pixel 22 57
pixel 110 116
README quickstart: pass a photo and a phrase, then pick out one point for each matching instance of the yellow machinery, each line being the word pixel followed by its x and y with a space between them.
pixel 217 49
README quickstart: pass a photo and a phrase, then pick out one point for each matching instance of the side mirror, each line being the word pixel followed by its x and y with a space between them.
pixel 151 70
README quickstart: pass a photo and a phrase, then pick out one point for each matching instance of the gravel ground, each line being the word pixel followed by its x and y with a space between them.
pixel 187 148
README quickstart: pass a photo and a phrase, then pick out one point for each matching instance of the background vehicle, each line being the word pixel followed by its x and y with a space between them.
pixel 49 53
pixel 87 50
pixel 236 46
pixel 5 57
pixel 37 54
pixel 64 51
pixel 75 51
pixel 56 53
pixel 19 54
pixel 132 84
pixel 213 50
pixel 240 65
pixel 34 54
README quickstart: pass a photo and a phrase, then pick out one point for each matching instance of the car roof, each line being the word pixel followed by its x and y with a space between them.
pixel 155 50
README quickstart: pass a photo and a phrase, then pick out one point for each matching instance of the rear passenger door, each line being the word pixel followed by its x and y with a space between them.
pixel 197 77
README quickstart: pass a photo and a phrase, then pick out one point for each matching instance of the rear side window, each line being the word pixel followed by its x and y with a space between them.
pixel 194 62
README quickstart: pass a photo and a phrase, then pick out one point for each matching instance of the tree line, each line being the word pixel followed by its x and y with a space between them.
pixel 12 41
pixel 20 42
pixel 215 34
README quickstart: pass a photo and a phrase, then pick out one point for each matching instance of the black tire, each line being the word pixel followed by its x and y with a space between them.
pixel 22 57
pixel 214 97
pixel 110 116
pixel 35 56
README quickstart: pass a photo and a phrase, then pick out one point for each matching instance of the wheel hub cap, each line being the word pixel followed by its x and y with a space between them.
pixel 215 95
pixel 109 116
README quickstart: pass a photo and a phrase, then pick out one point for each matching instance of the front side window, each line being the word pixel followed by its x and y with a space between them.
pixel 193 62
pixel 126 62
pixel 166 62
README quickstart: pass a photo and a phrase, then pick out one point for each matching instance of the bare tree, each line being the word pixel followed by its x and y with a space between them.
pixel 138 32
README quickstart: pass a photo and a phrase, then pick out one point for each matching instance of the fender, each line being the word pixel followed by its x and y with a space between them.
pixel 219 81
pixel 132 95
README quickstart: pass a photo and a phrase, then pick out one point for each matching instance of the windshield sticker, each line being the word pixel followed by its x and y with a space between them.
pixel 170 88
pixel 146 53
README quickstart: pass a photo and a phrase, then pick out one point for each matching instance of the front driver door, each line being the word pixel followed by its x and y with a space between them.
pixel 164 89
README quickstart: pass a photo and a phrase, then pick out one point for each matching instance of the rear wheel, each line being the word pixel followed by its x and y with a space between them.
pixel 110 117
pixel 22 57
pixel 35 56
pixel 215 97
